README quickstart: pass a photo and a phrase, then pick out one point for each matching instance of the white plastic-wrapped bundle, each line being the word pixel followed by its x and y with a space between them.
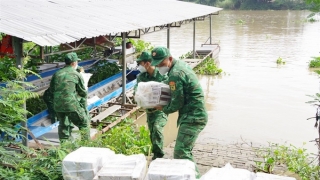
pixel 171 169
pixel 85 162
pixel 227 173
pixel 123 167
pixel 151 94
pixel 86 78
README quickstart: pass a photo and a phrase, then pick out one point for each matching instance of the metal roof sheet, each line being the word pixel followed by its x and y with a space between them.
pixel 52 22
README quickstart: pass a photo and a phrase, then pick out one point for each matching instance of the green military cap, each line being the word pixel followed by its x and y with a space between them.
pixel 159 54
pixel 71 57
pixel 145 56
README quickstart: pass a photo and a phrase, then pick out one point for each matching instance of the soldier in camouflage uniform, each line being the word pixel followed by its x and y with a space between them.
pixel 48 99
pixel 186 97
pixel 156 119
pixel 70 99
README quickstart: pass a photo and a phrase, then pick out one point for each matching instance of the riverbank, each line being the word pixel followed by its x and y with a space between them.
pixel 218 154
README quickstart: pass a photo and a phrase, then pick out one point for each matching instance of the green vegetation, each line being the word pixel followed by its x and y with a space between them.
pixel 13 96
pixel 280 61
pixel 315 62
pixel 241 22
pixel 45 164
pixel 256 5
pixel 35 105
pixel 102 70
pixel 5 68
pixel 208 67
pixel 316 97
pixel 141 45
pixel 1 35
pixel 297 160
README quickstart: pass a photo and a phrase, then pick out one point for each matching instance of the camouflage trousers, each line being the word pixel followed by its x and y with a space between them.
pixel 51 111
pixel 79 118
pixel 156 122
pixel 52 114
pixel 186 138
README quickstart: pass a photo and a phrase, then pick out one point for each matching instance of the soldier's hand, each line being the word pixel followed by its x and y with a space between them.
pixel 81 69
pixel 158 108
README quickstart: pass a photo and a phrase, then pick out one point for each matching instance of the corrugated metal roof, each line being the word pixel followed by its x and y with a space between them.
pixel 52 22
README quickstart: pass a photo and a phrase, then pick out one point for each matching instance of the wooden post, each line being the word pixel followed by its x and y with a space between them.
pixel 18 52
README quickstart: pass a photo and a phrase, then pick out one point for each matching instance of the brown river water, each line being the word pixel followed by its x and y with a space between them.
pixel 255 99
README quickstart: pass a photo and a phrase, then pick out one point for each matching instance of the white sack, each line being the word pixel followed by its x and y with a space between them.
pixel 86 78
pixel 151 94
pixel 228 173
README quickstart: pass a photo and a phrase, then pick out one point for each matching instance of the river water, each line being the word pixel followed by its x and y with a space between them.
pixel 255 100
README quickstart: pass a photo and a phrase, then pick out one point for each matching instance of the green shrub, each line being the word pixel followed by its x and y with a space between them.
pixel 101 71
pixel 208 67
pixel 297 160
pixel 13 96
pixel 315 62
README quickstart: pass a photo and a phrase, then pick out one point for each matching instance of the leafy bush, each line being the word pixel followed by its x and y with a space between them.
pixel 208 67
pixel 35 105
pixel 5 68
pixel 315 62
pixel 141 45
pixel 102 70
pixel 297 160
pixel 13 96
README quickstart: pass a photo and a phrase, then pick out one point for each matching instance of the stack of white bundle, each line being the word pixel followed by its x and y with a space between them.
pixel 85 162
pixel 151 94
pixel 124 168
pixel 171 169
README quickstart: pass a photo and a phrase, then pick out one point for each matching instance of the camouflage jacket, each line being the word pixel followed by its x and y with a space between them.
pixel 186 94
pixel 145 77
pixel 68 90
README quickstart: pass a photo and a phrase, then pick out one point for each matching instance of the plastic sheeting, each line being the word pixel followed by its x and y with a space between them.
pixel 228 172
pixel 171 169
pixel 123 167
pixel 151 94
pixel 85 162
